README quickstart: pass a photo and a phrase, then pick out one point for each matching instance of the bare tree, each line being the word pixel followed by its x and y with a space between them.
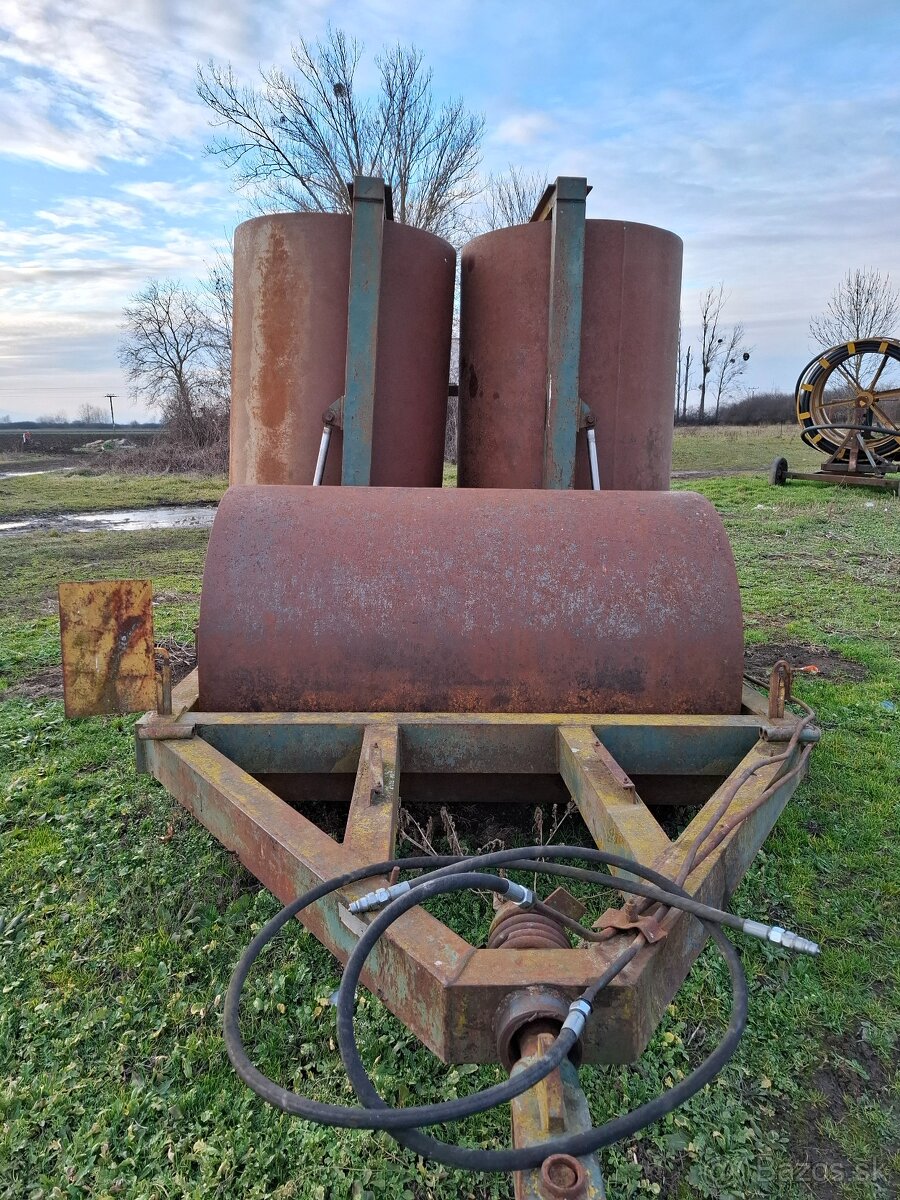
pixel 167 353
pixel 683 374
pixel 730 364
pixel 92 414
pixel 863 305
pixel 217 298
pixel 510 199
pixel 297 139
pixel 723 355
pixel 712 302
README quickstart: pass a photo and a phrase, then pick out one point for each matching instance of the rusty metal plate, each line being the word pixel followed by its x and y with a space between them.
pixel 106 629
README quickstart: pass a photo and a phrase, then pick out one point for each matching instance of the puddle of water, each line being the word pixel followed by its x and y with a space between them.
pixel 19 474
pixel 185 516
pixel 194 516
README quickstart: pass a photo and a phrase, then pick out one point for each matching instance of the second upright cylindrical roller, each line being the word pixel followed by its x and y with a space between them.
pixel 291 284
pixel 629 340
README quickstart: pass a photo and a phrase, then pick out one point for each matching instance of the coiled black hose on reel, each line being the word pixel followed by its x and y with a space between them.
pixel 454 874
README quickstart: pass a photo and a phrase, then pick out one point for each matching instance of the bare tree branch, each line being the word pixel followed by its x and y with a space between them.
pixel 510 199
pixel 712 303
pixel 731 364
pixel 863 305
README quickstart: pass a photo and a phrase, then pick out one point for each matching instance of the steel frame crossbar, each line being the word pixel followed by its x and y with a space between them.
pixel 444 989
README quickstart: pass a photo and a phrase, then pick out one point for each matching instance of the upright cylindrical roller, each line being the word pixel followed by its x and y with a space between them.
pixel 629 341
pixel 358 599
pixel 291 285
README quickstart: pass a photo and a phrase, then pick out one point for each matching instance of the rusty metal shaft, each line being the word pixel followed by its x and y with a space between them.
pixel 552 1108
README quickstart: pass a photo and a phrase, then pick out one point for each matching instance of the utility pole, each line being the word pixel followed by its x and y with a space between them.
pixel 110 396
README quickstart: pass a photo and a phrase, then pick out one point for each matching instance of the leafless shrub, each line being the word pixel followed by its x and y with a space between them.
pixel 167 455
pixel 409 830
pixel 762 408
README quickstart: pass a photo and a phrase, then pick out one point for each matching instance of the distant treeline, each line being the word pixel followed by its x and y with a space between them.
pixel 99 426
pixel 762 408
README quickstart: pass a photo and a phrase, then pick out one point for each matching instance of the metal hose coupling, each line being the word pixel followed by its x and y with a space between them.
pixel 780 937
pixel 517 894
pixel 378 898
pixel 579 1011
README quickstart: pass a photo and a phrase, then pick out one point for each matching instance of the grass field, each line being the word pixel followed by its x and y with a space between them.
pixel 740 448
pixel 74 491
pixel 696 448
pixel 122 920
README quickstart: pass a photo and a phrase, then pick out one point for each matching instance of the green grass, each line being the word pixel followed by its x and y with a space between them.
pixel 49 495
pixel 113 1076
pixel 741 448
pixel 713 448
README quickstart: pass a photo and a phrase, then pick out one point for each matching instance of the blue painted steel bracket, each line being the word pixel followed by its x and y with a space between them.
pixel 362 329
pixel 564 204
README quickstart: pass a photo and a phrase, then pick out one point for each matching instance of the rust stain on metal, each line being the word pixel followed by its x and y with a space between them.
pixel 564 902
pixel 106 632
pixel 620 919
pixel 611 808
pixel 518 929
pixel 371 830
pixel 466 1004
pixel 780 683
pixel 612 767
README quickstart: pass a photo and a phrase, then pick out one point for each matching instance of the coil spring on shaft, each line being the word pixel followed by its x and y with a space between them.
pixel 514 928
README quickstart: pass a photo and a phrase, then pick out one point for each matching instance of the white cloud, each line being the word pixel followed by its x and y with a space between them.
pixel 181 199
pixel 777 178
pixel 776 196
pixel 89 212
pixel 100 80
pixel 62 290
pixel 523 129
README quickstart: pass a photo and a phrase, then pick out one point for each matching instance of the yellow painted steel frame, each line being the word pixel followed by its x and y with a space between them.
pixel 445 990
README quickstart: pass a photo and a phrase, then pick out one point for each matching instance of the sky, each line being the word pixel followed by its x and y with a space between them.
pixel 765 134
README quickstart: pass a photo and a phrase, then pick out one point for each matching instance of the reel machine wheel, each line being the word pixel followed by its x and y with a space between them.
pixel 849 389
pixel 778 472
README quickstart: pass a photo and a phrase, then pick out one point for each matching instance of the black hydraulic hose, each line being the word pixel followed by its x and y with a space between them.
pixel 576 1144
pixel 456 874
pixel 362 1118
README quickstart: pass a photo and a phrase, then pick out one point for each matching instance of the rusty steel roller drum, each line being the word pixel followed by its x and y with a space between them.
pixel 444 600
pixel 291 286
pixel 629 343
